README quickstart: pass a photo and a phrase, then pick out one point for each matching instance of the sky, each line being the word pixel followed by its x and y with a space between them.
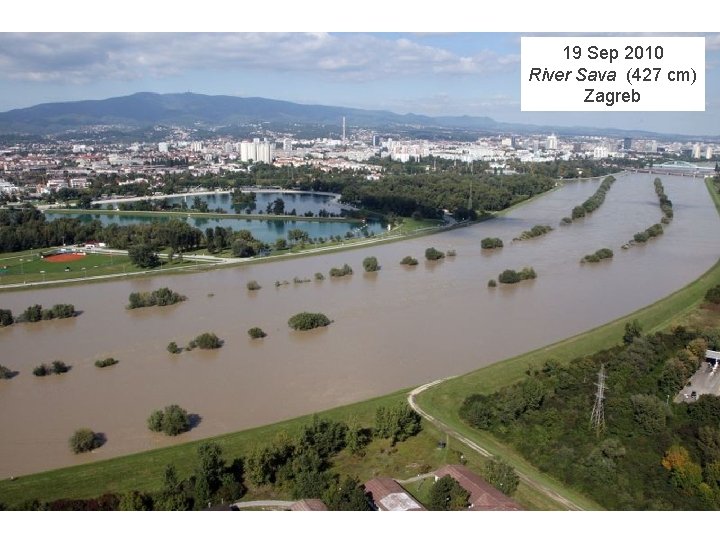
pixel 433 73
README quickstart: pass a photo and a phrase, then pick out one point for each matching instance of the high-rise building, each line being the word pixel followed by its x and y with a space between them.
pixel 627 144
pixel 287 145
pixel 709 152
pixel 196 146
pixel 696 151
pixel 163 147
pixel 552 142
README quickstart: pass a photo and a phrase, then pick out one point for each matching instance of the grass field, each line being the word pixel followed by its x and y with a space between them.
pixel 28 267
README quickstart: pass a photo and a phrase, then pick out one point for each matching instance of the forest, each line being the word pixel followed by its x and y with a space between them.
pixel 650 454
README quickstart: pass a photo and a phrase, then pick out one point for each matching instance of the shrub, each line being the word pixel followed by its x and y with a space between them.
pixel 173 348
pixel 509 276
pixel 159 297
pixel 319 276
pixel 84 440
pixel 432 254
pixel 206 340
pixel 713 295
pixel 307 321
pixel 41 370
pixel 6 317
pixel 491 243
pixel 641 237
pixel 492 283
pixel 253 286
pixel 172 420
pixel 105 363
pixel 59 367
pixel 450 253
pixel 598 256
pixel 256 333
pixel 566 220
pixel 409 261
pixel 578 212
pixel 537 230
pixel 340 272
pixel 6 373
pixel 37 313
pixel 370 264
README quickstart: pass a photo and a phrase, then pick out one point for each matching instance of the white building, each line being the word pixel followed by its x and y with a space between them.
pixel 552 142
pixel 196 146
pixel 709 152
pixel 163 147
pixel 696 151
pixel 600 152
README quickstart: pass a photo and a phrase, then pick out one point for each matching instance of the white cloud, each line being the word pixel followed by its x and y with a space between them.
pixel 83 57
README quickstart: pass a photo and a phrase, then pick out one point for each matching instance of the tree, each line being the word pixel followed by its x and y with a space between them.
pixel 397 423
pixel 172 496
pixel 253 285
pixel 432 254
pixel 144 256
pixel 370 264
pixel 649 413
pixel 6 373
pixel 256 333
pixel 206 340
pixel 347 495
pixel 502 476
pixel 6 317
pixel 59 367
pixel 134 501
pixel 307 321
pixel 84 440
pixel 173 348
pixel 632 330
pixel 685 474
pixel 448 494
pixel 172 420
pixel 409 261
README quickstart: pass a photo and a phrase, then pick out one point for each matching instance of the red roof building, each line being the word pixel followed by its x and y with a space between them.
pixel 483 496
pixel 388 495
pixel 309 505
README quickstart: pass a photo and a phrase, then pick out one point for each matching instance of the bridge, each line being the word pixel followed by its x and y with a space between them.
pixel 676 168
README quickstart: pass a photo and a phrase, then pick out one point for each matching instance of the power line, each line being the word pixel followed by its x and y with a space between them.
pixel 597 418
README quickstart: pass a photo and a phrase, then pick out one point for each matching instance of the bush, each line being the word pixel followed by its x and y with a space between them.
pixel 713 295
pixel 6 373
pixel 492 283
pixel 370 264
pixel 450 253
pixel 598 256
pixel 37 313
pixel 566 220
pixel 253 286
pixel 6 317
pixel 448 494
pixel 432 254
pixel 256 333
pixel 340 272
pixel 159 297
pixel 41 371
pixel 105 363
pixel 84 440
pixel 502 476
pixel 409 261
pixel 173 348
pixel 59 367
pixel 172 420
pixel 207 340
pixel 509 276
pixel 491 243
pixel 307 321
pixel 319 276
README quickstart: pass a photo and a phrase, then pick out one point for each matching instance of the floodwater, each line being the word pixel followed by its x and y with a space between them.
pixel 398 328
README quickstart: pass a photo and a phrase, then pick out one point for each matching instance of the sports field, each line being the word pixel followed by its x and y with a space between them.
pixel 30 267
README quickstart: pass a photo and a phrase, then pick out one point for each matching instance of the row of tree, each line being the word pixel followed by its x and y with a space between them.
pixel 593 202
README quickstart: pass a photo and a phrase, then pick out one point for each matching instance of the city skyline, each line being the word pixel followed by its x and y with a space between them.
pixel 436 74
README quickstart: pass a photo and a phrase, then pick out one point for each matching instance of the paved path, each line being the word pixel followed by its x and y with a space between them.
pixel 261 504
pixel 479 449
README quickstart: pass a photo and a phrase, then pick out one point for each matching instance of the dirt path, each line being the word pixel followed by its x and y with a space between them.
pixel 479 449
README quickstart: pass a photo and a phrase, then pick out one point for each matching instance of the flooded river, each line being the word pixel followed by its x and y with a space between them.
pixel 394 329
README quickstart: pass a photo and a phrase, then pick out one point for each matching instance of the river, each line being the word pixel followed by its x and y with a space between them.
pixel 394 329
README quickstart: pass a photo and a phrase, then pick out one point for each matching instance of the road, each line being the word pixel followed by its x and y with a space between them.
pixel 263 504
pixel 549 492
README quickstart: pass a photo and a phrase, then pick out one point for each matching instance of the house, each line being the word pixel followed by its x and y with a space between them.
pixel 483 496
pixel 388 495
pixel 308 505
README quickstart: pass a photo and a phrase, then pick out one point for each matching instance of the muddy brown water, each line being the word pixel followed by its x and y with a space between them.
pixel 398 328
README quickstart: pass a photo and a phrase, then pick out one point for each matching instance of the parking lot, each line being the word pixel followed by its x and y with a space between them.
pixel 704 381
